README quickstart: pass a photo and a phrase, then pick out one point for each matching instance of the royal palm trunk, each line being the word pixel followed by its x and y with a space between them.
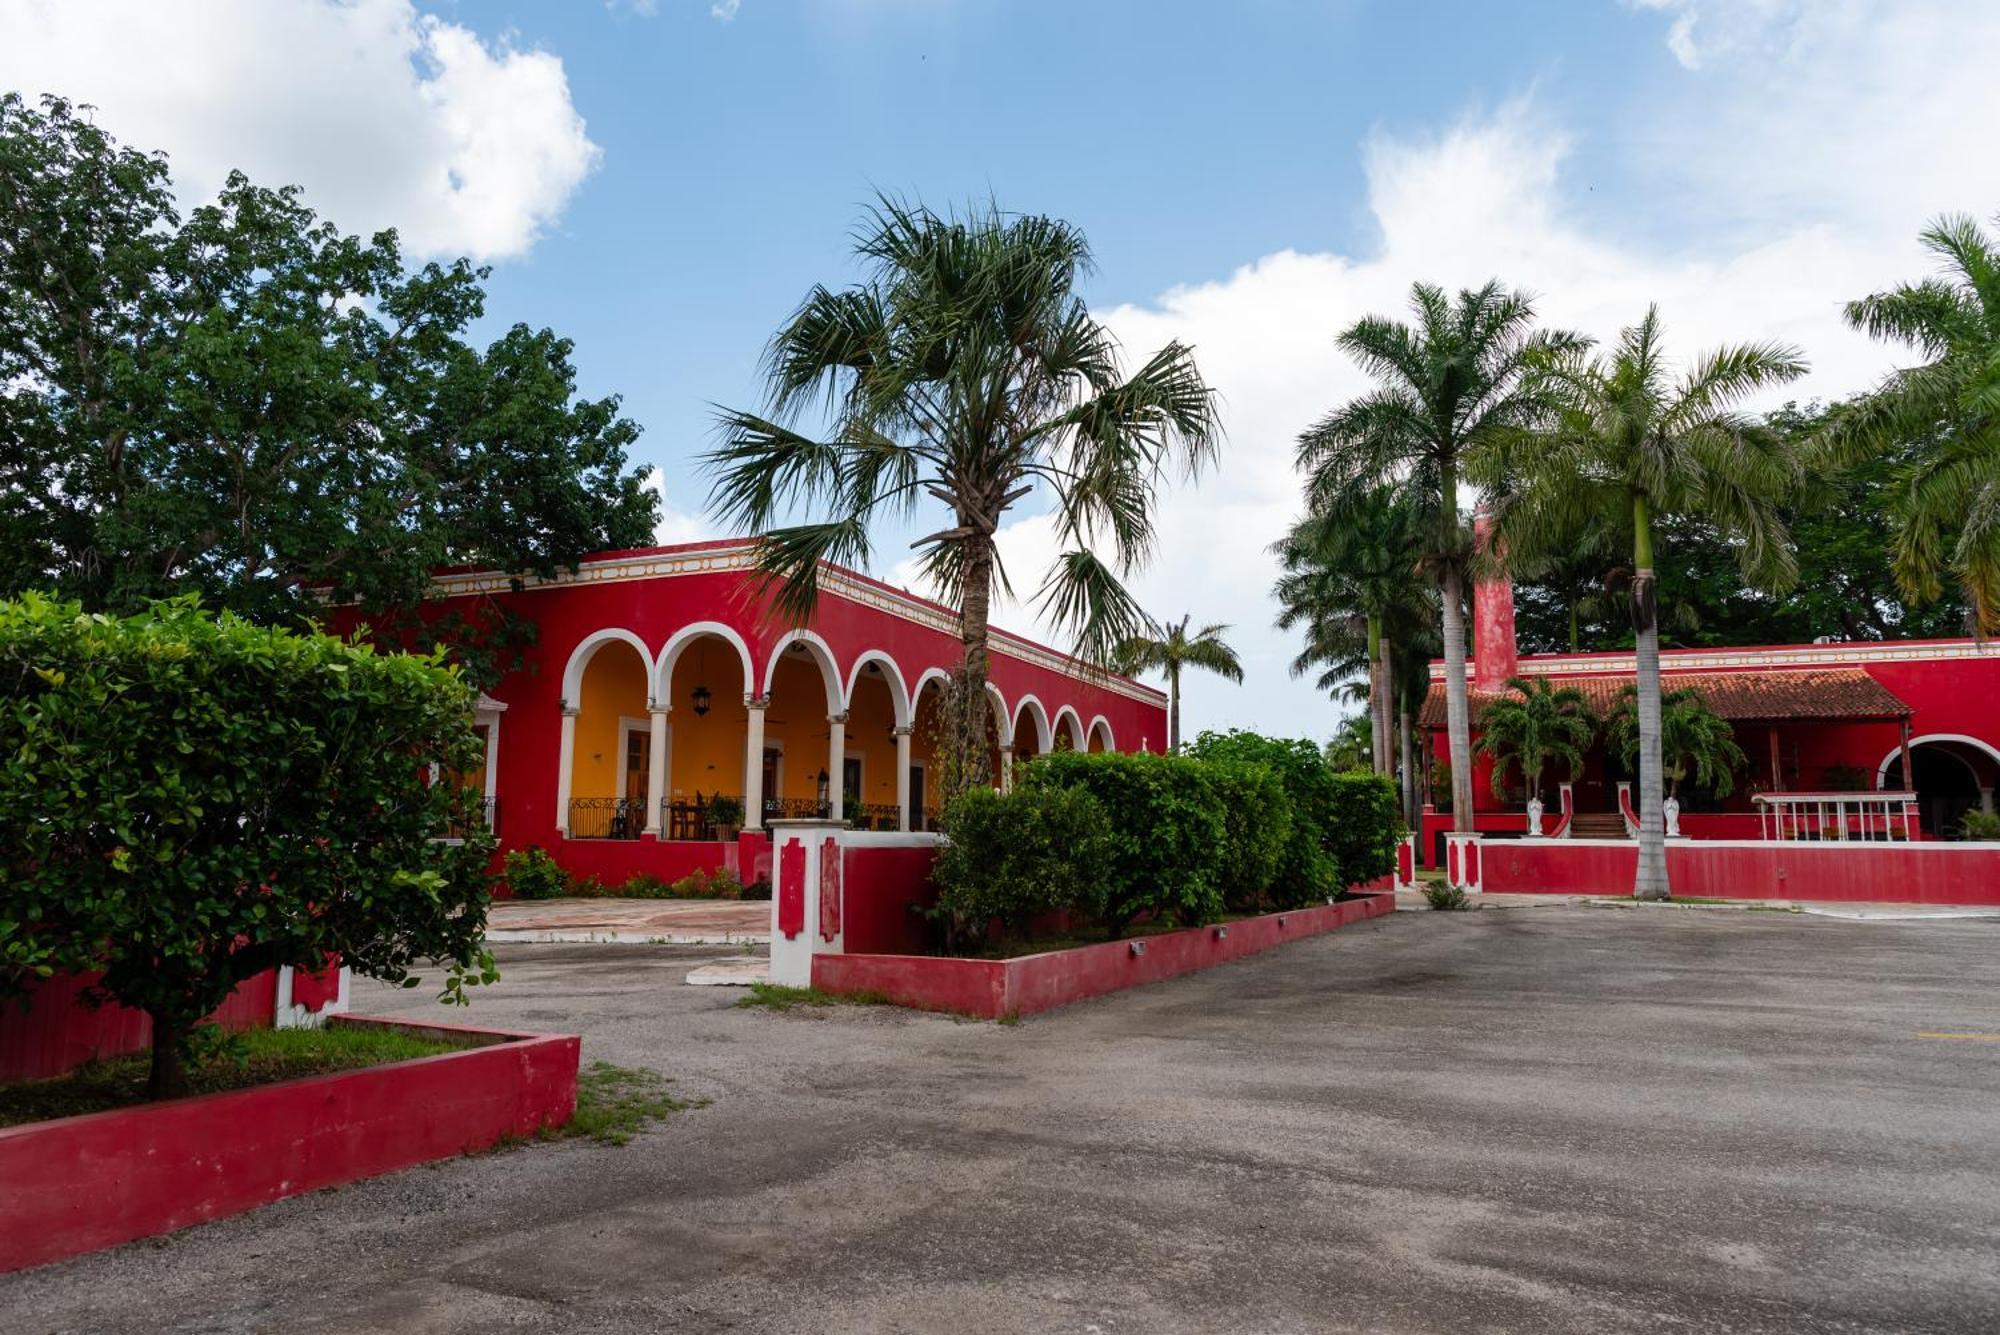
pixel 1650 882
pixel 1458 726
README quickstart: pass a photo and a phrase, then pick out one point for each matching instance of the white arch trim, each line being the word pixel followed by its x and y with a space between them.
pixel 899 694
pixel 924 679
pixel 821 653
pixel 1896 753
pixel 1003 718
pixel 1099 721
pixel 579 659
pixel 1029 705
pixel 681 640
pixel 1077 740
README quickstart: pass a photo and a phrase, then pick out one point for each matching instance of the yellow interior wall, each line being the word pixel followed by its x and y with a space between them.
pixel 614 685
pixel 871 718
pixel 708 748
pixel 796 720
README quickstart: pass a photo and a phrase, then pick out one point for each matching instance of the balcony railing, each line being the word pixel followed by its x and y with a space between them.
pixel 606 818
pixel 1837 816
pixel 795 808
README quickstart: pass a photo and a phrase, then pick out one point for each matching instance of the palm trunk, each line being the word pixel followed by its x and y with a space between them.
pixel 1410 791
pixel 1650 881
pixel 1378 736
pixel 1458 723
pixel 1385 720
pixel 971 767
pixel 1174 709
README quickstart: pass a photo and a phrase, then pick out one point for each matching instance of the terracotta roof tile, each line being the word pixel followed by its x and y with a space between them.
pixel 1761 697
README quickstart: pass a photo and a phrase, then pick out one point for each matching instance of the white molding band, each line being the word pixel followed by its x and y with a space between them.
pixel 1847 653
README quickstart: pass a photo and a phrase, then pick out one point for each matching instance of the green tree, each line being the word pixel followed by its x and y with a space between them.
pixel 1170 648
pixel 186 802
pixel 1695 741
pixel 965 370
pixel 1356 560
pixel 1945 509
pixel 1538 724
pixel 1631 444
pixel 248 404
pixel 1446 384
pixel 1352 746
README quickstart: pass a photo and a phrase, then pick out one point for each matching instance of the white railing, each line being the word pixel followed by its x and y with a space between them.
pixel 1831 816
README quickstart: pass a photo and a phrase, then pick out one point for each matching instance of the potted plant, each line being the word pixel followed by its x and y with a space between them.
pixel 725 813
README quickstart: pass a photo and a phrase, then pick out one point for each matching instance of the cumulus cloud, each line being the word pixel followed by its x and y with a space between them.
pixel 388 117
pixel 1789 172
pixel 725 10
pixel 677 523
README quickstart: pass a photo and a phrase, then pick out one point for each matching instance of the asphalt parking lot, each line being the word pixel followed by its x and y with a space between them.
pixel 1558 1118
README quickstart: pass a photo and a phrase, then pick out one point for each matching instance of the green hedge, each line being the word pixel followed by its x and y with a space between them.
pixel 1015 859
pixel 1364 826
pixel 1257 816
pixel 1309 865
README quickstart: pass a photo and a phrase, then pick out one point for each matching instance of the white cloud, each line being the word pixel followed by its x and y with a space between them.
pixel 1788 173
pixel 677 524
pixel 725 10
pixel 388 117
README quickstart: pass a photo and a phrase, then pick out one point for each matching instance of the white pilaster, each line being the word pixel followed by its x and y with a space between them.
pixel 1006 769
pixel 656 769
pixel 836 766
pixel 903 779
pixel 565 765
pixel 753 764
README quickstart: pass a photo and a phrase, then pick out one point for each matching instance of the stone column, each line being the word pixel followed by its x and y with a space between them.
pixel 903 779
pixel 656 770
pixel 836 766
pixel 753 764
pixel 565 766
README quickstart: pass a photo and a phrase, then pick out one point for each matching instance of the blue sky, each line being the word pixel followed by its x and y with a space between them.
pixel 662 182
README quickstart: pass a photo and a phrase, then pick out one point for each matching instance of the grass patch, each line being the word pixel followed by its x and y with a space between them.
pixel 237 1061
pixel 777 997
pixel 616 1103
pixel 1697 899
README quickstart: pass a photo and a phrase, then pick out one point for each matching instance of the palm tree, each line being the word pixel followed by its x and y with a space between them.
pixel 1446 384
pixel 1694 740
pixel 1357 560
pixel 1170 648
pixel 1539 723
pixel 1632 445
pixel 1946 515
pixel 964 371
pixel 1352 745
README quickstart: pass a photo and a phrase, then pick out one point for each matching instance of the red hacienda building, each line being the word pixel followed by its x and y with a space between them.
pixel 660 678
pixel 1829 732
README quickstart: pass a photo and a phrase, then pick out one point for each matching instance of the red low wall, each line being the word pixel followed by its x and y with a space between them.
pixel 83 1183
pixel 993 989
pixel 614 861
pixel 52 1030
pixel 1919 873
pixel 886 888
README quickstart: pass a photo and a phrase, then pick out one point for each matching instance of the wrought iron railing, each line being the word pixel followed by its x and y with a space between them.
pixel 875 816
pixel 606 818
pixel 684 818
pixel 795 808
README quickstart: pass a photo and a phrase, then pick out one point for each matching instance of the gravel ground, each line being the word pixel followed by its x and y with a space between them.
pixel 1544 1119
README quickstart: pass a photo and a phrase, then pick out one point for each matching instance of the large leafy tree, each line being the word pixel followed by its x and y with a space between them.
pixel 1945 507
pixel 1172 648
pixel 1540 723
pixel 1356 560
pixel 188 801
pixel 1632 443
pixel 965 371
pixel 1447 382
pixel 245 402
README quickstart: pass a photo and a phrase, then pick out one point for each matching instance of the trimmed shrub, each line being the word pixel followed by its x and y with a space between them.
pixel 1163 833
pixel 1365 826
pixel 532 873
pixel 1257 818
pixel 1015 858
pixel 1309 868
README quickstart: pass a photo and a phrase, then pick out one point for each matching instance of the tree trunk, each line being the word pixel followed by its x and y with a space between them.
pixel 1458 723
pixel 168 1079
pixel 1410 791
pixel 1378 736
pixel 1174 710
pixel 1650 881
pixel 1384 725
pixel 970 766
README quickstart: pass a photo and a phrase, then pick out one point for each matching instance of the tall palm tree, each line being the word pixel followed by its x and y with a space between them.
pixel 1446 383
pixel 1357 558
pixel 1170 648
pixel 1632 444
pixel 1539 723
pixel 966 372
pixel 1946 515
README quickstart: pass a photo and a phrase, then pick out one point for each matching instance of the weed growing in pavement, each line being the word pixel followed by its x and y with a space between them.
pixel 615 1103
pixel 1446 898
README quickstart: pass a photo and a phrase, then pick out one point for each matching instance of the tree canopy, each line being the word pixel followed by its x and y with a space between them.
pixel 245 401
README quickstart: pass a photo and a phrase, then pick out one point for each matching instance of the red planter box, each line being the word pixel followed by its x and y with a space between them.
pixel 993 989
pixel 82 1183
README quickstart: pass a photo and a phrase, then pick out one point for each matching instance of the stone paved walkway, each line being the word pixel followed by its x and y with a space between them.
pixel 679 922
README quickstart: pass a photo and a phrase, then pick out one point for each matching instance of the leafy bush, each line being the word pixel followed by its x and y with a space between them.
pixel 725 810
pixel 1309 868
pixel 1981 825
pixel 1364 826
pixel 1015 858
pixel 1163 833
pixel 532 873
pixel 1446 898
pixel 187 801
pixel 1257 816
